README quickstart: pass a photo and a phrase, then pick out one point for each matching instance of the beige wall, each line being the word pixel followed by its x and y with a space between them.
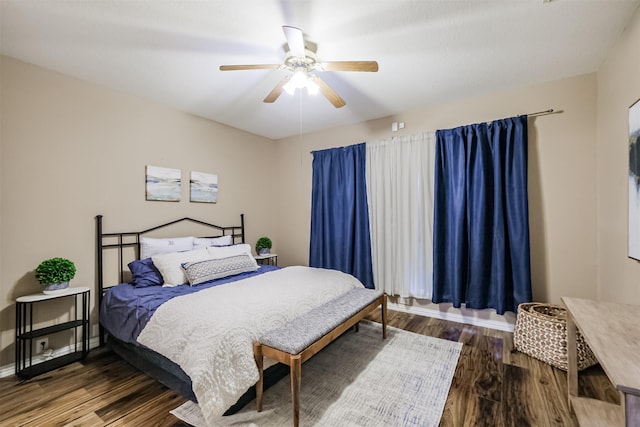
pixel 618 88
pixel 562 177
pixel 70 150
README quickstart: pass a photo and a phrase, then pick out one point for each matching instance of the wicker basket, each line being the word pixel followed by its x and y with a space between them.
pixel 541 332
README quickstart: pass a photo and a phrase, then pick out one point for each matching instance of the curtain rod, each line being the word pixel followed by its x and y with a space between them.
pixel 540 113
pixel 537 113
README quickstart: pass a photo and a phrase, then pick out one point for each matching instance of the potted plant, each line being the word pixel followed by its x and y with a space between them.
pixel 263 246
pixel 54 274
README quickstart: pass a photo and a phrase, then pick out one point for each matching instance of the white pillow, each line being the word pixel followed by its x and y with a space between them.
pixel 219 252
pixel 150 247
pixel 170 265
pixel 203 242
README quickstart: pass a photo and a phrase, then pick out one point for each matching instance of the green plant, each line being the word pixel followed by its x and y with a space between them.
pixel 263 243
pixel 55 270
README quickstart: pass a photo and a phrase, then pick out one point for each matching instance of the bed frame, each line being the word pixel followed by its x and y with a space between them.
pixel 131 239
pixel 154 364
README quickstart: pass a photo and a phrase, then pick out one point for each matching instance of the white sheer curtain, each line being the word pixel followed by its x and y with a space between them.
pixel 400 175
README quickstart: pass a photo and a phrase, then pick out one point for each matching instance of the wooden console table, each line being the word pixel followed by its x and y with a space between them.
pixel 613 333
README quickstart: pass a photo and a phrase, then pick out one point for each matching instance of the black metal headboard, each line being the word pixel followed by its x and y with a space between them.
pixel 131 239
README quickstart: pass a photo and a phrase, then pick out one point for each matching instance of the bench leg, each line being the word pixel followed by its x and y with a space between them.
pixel 295 367
pixel 257 353
pixel 383 308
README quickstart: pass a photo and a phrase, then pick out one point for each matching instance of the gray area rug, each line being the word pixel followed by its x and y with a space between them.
pixel 359 380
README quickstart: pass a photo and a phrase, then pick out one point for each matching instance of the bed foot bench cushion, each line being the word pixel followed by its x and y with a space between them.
pixel 297 341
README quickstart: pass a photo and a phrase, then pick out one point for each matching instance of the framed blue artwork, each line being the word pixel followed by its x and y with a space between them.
pixel 204 187
pixel 163 184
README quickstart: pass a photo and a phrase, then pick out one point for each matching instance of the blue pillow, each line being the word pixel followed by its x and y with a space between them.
pixel 144 273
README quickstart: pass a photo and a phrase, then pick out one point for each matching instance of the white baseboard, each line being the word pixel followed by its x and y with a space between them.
pixel 8 370
pixel 506 323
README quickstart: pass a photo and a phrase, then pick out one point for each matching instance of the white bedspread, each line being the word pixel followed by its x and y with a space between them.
pixel 210 333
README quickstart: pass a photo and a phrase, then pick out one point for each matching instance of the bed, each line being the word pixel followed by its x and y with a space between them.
pixel 194 330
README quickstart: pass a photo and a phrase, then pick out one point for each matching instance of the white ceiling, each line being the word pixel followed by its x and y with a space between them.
pixel 429 51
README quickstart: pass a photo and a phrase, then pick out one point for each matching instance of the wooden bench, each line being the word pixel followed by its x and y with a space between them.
pixel 297 341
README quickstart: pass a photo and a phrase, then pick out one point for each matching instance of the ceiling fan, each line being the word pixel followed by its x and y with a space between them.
pixel 301 60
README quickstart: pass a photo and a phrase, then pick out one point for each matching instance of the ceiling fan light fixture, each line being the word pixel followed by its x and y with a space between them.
pixel 312 87
pixel 297 81
pixel 289 88
pixel 301 80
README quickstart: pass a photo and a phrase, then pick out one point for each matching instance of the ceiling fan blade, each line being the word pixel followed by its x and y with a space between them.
pixel 276 91
pixel 371 66
pixel 295 40
pixel 249 67
pixel 329 93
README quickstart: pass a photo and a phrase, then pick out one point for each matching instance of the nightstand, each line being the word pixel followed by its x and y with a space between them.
pixel 267 259
pixel 26 334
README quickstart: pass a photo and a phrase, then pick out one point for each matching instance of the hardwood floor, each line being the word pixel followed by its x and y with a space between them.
pixel 493 386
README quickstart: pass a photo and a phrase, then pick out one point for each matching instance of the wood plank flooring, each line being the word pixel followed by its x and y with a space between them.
pixel 493 386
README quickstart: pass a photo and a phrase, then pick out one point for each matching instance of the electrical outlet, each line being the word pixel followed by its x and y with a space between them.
pixel 42 344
